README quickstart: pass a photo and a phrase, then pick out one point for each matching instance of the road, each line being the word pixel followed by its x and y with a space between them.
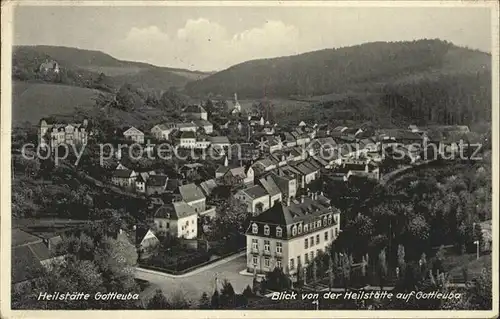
pixel 192 285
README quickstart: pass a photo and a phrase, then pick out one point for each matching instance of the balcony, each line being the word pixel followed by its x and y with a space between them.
pixel 279 254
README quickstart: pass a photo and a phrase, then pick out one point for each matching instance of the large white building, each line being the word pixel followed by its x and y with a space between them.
pixel 286 236
pixel 57 134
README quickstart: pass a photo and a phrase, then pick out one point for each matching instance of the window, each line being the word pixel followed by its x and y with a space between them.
pixel 326 236
pixel 336 219
pixel 312 255
pixel 168 225
pixel 306 243
pixel 311 240
pixel 279 232
pixel 294 230
pixel 266 230
pixel 329 219
pixel 298 260
pixel 306 228
pixel 317 239
pixel 292 264
pixel 254 261
pixel 266 262
pixel 255 228
pixel 317 251
pixel 300 228
pixel 306 258
pixel 255 244
pixel 336 232
pixel 279 247
pixel 267 246
pixel 278 263
pixel 319 223
pixel 324 220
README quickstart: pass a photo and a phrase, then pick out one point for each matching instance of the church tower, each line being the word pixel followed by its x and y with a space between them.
pixel 237 106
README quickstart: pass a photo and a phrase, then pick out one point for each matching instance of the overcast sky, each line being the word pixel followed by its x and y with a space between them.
pixel 209 38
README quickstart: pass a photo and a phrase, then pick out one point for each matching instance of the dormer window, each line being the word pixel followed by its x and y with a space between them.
pixel 294 230
pixel 300 228
pixel 329 219
pixel 306 228
pixel 279 232
pixel 324 220
pixel 319 223
pixel 266 230
pixel 255 228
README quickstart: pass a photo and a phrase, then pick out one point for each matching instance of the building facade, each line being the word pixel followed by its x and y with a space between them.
pixel 56 134
pixel 289 236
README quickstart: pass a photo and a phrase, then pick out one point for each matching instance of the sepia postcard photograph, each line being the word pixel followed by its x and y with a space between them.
pixel 249 159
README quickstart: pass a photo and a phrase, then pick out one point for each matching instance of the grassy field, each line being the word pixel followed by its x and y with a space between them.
pixel 32 101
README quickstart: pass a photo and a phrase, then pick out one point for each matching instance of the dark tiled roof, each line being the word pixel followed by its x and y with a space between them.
pixel 194 109
pixel 255 191
pixel 40 251
pixel 208 186
pixel 20 238
pixel 123 173
pixel 175 210
pixel 157 180
pixel 25 265
pixel 283 215
pixel 270 186
pixel 188 134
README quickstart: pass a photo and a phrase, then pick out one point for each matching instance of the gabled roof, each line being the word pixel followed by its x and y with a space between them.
pixel 202 122
pixel 185 125
pixel 191 192
pixel 194 109
pixel 175 210
pixel 157 180
pixel 208 186
pixel 20 238
pixel 25 265
pixel 133 131
pixel 270 186
pixel 237 172
pixel 123 173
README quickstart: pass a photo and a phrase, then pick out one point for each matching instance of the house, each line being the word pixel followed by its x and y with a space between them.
pixel 140 183
pixel 208 186
pixel 177 219
pixel 264 165
pixel 219 141
pixel 195 112
pixel 300 138
pixel 289 236
pixel 193 196
pixel 321 145
pixel 30 257
pixel 143 239
pixel 288 139
pixel 163 132
pixel 134 135
pixel 272 189
pixel 255 197
pixel 236 107
pixel 365 170
pixel 187 140
pixel 49 66
pixel 256 120
pixel 57 134
pixel 124 178
pixel 308 171
pixel 270 143
pixel 287 185
pixel 238 175
pixel 186 127
pixel 156 184
pixel 205 125
pixel 190 169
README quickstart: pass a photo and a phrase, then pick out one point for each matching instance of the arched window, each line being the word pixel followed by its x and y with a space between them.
pixel 319 223
pixel 300 229
pixel 306 228
pixel 324 220
pixel 255 228
pixel 266 230
pixel 294 230
pixel 279 232
pixel 330 219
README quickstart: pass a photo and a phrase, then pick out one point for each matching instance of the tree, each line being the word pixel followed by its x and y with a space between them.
pixel 178 301
pixel 480 292
pixel 215 301
pixel 248 293
pixel 401 258
pixel 227 295
pixel 382 268
pixel 204 302
pixel 158 301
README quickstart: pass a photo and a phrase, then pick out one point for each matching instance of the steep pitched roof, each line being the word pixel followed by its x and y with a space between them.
pixel 270 186
pixel 208 186
pixel 157 180
pixel 133 131
pixel 219 140
pixel 188 134
pixel 123 173
pixel 175 210
pixel 191 192
pixel 194 109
